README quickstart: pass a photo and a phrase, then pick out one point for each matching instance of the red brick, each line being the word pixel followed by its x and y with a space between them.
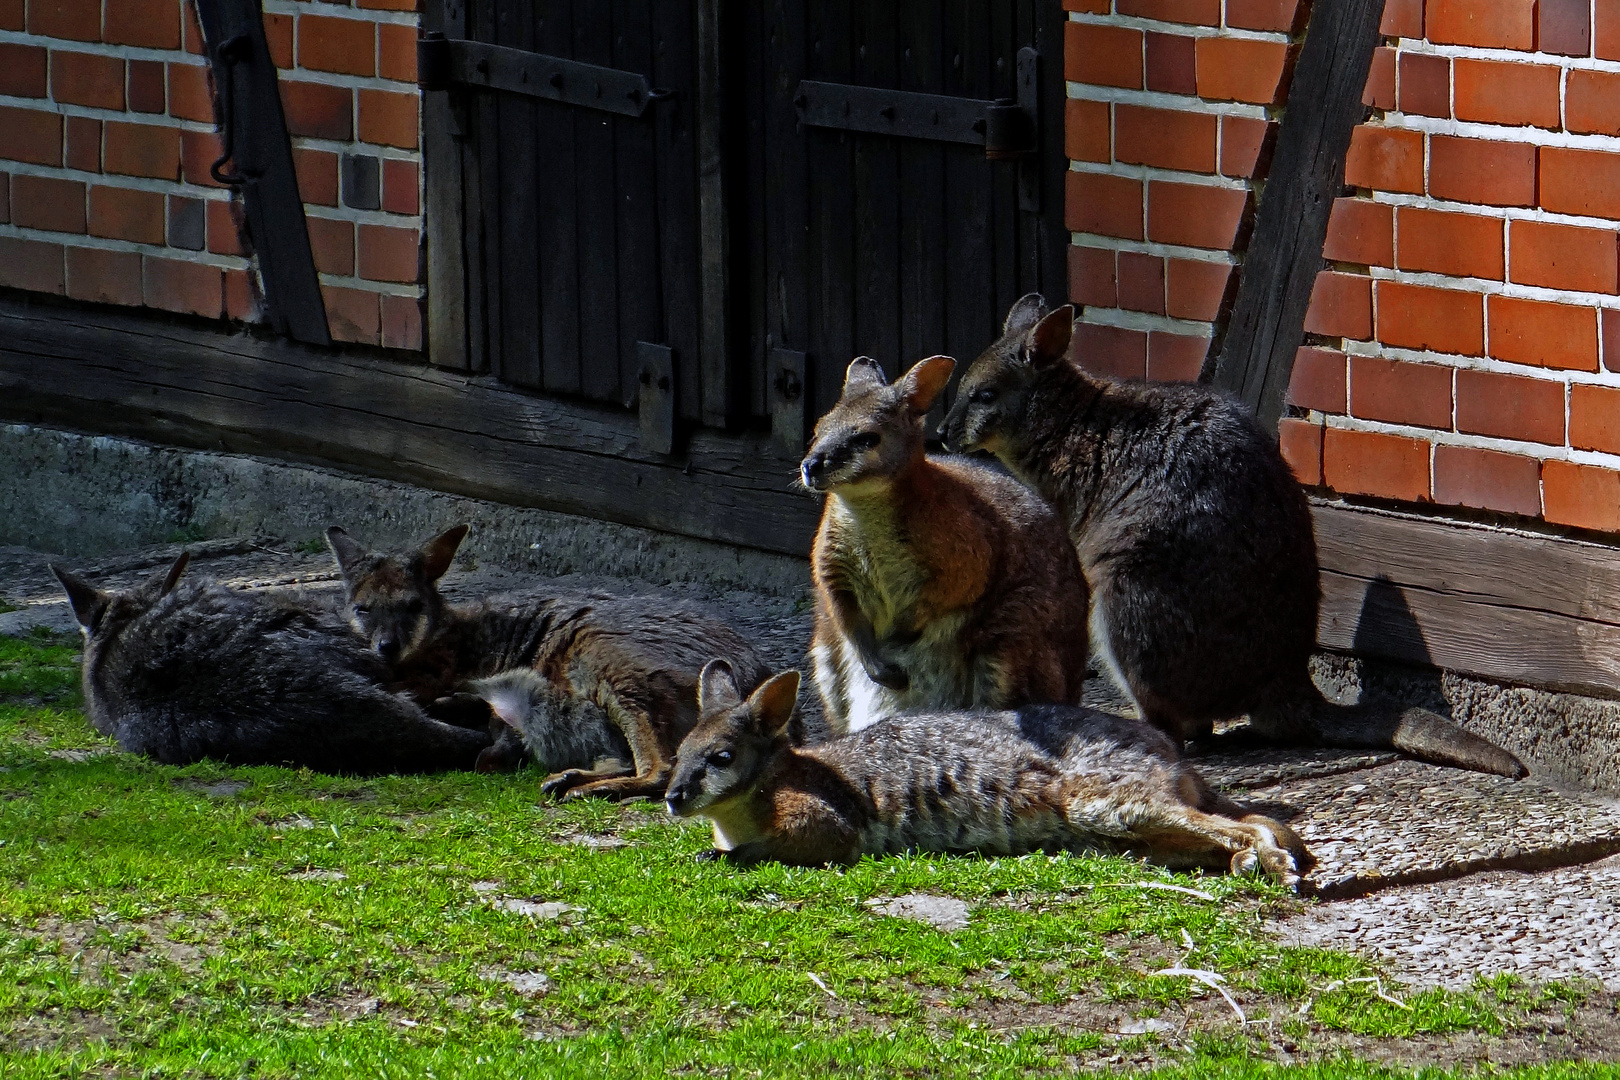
pixel 153 24
pixel 1372 463
pixel 1492 92
pixel 401 323
pixel 1091 277
pixel 191 29
pixel 1425 84
pixel 1564 27
pixel 317 172
pixel 388 253
pixel 1400 393
pixel 1547 335
pixel 1192 12
pixel 1420 317
pixel 278 34
pixel 410 5
pixel 1487 480
pixel 147 93
pixel 1194 288
pixel 1243 145
pixel 1301 444
pixel 73 20
pixel 1110 350
pixel 189 95
pixel 199 150
pixel 87 79
pixel 332 242
pixel 1280 15
pixel 1103 204
pixel 396 52
pixel 83 144
pixel 46 202
pixel 1385 159
pixel 1480 171
pixel 142 150
pixel 12 15
pixel 1494 24
pixel 1594 418
pixel 352 314
pixel 1580 181
pixel 22 70
pixel 1584 496
pixel 1341 306
pixel 1563 256
pixel 30 135
pixel 1318 380
pixel 1085 130
pixel 240 302
pixel 401 192
pixel 1606 30
pixel 1402 19
pixel 1592 102
pixel 1510 406
pixel 104 277
pixel 1241 69
pixel 1195 215
pixel 1141 282
pixel 127 214
pixel 388 119
pixel 1172 64
pixel 346 46
pixel 1170 139
pixel 187 287
pixel 225 227
pixel 1462 245
pixel 1175 357
pixel 1360 231
pixel 1609 330
pixel 1102 55
pixel 318 111
pixel 1380 89
pixel 31 264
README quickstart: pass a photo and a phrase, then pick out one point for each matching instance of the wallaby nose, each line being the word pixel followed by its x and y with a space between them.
pixel 812 468
pixel 674 798
pixel 388 647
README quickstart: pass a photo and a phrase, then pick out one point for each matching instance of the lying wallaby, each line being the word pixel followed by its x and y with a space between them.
pixel 940 583
pixel 181 671
pixel 554 725
pixel 635 657
pixel 1041 778
pixel 1196 539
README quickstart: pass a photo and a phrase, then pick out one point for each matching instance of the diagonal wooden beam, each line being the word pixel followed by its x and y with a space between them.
pixel 1307 172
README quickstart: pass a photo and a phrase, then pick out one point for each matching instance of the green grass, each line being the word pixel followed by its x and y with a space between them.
pixel 220 922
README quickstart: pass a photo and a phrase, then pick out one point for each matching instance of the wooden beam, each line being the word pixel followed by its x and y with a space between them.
pixel 1307 172
pixel 442 136
pixel 714 230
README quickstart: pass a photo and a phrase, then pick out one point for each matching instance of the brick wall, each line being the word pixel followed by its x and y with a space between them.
pixel 1464 344
pixel 107 131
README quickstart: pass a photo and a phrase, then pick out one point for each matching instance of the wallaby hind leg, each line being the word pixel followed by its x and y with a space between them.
pixel 653 764
pixel 1202 820
pixel 565 785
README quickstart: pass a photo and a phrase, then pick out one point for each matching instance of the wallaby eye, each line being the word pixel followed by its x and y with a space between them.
pixel 720 758
pixel 867 440
pixel 361 609
pixel 984 395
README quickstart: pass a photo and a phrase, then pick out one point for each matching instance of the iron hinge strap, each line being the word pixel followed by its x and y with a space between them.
pixel 444 63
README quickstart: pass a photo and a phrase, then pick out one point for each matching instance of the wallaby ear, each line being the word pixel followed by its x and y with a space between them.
pixel 346 550
pixel 717 687
pixel 773 703
pixel 1049 341
pixel 863 373
pixel 926 381
pixel 437 552
pixel 510 697
pixel 1026 311
pixel 172 578
pixel 88 602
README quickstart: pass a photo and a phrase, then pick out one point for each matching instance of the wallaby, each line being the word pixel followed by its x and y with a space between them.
pixel 181 671
pixel 1195 538
pixel 554 725
pixel 941 583
pixel 1040 778
pixel 637 658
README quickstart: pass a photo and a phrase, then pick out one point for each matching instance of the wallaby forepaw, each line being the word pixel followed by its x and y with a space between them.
pixel 711 855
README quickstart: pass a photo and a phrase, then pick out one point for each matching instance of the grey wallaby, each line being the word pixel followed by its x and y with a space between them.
pixel 1040 778
pixel 185 670
pixel 1196 540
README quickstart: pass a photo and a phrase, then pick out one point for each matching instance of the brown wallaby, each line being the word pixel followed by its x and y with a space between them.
pixel 1195 538
pixel 185 670
pixel 1040 778
pixel 636 658
pixel 940 583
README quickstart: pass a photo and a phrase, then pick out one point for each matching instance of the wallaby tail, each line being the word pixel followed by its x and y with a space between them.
pixel 1416 732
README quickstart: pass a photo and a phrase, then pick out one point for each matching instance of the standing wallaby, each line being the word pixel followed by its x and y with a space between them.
pixel 1041 778
pixel 1195 538
pixel 940 583
pixel 636 658
pixel 181 671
